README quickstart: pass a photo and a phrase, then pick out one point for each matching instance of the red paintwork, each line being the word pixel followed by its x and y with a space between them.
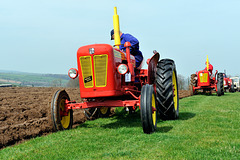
pixel 210 82
pixel 153 109
pixel 112 94
pixel 114 81
pixel 227 82
pixel 106 103
pixel 130 65
pixel 152 65
pixel 207 83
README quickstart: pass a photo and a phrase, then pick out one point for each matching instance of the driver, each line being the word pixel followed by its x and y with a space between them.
pixel 134 49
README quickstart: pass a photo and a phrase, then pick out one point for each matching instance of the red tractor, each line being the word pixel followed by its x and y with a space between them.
pixel 108 78
pixel 204 80
pixel 228 84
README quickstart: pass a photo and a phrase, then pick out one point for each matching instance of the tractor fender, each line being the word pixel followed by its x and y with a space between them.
pixel 152 66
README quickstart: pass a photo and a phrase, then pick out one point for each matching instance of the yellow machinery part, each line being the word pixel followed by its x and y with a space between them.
pixel 175 90
pixel 116 28
pixel 207 63
pixel 155 112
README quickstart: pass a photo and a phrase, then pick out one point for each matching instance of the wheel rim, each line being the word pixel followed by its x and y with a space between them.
pixel 65 120
pixel 104 110
pixel 155 111
pixel 175 96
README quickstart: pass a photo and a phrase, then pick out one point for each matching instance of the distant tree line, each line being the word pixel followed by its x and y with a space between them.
pixel 73 83
pixel 183 82
pixel 57 83
pixel 58 76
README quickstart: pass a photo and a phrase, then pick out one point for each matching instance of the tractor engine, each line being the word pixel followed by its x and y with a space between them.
pixel 100 70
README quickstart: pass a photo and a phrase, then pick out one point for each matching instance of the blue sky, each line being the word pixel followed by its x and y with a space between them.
pixel 43 36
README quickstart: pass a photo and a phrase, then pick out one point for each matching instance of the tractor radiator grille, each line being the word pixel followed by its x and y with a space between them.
pixel 204 77
pixel 100 70
pixel 86 65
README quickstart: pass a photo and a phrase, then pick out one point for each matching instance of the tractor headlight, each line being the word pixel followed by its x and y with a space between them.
pixel 73 73
pixel 122 69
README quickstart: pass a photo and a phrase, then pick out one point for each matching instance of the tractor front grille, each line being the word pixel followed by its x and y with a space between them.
pixel 86 65
pixel 203 77
pixel 100 70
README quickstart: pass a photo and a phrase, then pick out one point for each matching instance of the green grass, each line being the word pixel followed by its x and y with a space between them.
pixel 208 128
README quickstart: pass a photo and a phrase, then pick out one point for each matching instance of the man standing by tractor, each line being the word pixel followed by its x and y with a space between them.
pixel 134 49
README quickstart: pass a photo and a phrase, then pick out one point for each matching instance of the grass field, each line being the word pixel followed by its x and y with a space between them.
pixel 208 128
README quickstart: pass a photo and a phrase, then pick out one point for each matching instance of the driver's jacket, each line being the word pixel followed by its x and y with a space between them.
pixel 134 49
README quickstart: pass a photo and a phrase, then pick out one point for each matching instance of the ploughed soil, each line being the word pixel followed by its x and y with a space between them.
pixel 25 112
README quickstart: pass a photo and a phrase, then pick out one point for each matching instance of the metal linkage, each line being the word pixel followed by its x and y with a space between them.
pixel 107 103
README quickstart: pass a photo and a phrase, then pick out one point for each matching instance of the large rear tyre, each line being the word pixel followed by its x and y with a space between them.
pixel 61 118
pixel 148 110
pixel 193 83
pixel 167 90
pixel 194 80
pixel 220 86
pixel 191 90
pixel 232 88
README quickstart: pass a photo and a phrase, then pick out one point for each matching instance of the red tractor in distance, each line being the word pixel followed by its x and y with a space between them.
pixel 228 84
pixel 206 82
pixel 108 78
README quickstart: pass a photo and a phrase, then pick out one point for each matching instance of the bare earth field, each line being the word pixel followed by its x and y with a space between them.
pixel 25 112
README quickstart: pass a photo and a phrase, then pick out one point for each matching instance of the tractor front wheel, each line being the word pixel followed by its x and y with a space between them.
pixel 148 110
pixel 62 119
pixel 167 90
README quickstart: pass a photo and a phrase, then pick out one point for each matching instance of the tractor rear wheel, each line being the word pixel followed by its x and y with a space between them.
pixel 220 87
pixel 232 88
pixel 148 110
pixel 193 83
pixel 191 90
pixel 167 90
pixel 193 80
pixel 61 118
